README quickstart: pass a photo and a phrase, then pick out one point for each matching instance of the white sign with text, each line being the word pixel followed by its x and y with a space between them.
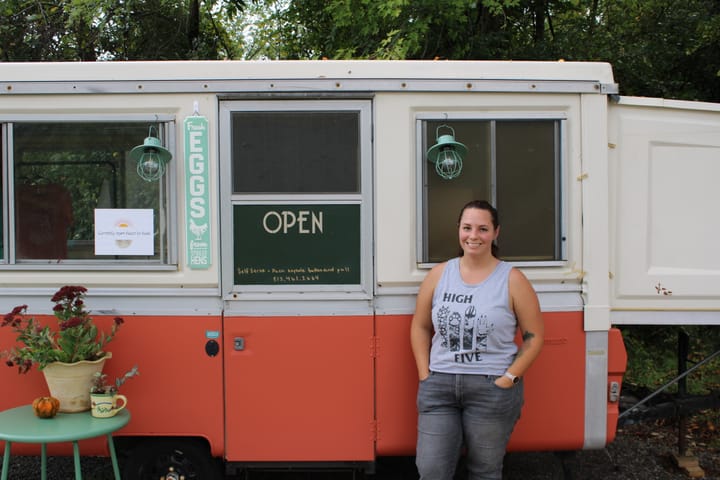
pixel 123 231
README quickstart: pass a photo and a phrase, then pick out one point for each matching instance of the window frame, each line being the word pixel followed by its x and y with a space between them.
pixel 166 132
pixel 356 291
pixel 422 138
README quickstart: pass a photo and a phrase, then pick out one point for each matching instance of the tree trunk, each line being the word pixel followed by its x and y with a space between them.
pixel 193 31
pixel 539 7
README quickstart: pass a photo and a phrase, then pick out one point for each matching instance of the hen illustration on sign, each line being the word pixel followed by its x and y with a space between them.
pixel 197 212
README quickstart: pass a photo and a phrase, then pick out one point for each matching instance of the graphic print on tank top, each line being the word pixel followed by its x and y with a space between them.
pixel 474 326
pixel 463 330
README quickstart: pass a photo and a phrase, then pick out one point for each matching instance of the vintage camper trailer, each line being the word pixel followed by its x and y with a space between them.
pixel 267 272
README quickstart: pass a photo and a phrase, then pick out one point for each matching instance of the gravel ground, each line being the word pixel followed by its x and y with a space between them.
pixel 640 452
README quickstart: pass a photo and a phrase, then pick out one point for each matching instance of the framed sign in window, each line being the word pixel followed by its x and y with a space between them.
pixel 310 244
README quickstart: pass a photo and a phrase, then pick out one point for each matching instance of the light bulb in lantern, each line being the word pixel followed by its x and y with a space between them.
pixel 151 158
pixel 447 154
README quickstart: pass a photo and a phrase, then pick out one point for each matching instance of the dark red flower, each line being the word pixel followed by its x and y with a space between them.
pixel 25 366
pixel 73 322
pixel 77 339
pixel 12 318
pixel 68 292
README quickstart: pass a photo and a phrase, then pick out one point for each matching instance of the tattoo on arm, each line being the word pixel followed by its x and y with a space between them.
pixel 527 336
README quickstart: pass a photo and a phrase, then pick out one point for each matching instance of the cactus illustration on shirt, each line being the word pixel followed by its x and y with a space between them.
pixel 442 316
pixel 468 328
pixel 482 330
pixel 454 331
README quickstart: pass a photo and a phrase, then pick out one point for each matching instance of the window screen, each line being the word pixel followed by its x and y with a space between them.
pixel 295 152
pixel 514 164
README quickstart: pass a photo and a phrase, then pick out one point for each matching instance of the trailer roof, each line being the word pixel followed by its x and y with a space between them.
pixel 425 69
pixel 351 75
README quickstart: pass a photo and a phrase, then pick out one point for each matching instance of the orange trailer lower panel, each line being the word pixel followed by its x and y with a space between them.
pixel 178 392
pixel 553 417
pixel 299 389
pixel 304 389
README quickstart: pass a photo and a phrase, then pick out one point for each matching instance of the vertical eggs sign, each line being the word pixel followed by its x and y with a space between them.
pixel 197 210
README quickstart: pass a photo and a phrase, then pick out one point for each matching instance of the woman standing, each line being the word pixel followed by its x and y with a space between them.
pixel 470 369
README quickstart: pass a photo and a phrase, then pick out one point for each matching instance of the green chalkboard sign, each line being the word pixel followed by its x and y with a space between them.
pixel 296 244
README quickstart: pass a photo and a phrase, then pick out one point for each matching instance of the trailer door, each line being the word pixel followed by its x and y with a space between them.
pixel 664 167
pixel 297 280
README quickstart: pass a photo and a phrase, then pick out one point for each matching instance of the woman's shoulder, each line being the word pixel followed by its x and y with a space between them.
pixel 519 283
pixel 433 276
pixel 452 264
pixel 437 270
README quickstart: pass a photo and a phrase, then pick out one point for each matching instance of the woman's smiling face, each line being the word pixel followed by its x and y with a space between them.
pixel 476 231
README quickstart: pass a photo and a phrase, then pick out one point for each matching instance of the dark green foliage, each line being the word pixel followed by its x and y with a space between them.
pixel 663 48
pixel 89 30
pixel 653 356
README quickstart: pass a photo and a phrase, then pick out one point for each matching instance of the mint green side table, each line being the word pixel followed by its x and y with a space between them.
pixel 20 425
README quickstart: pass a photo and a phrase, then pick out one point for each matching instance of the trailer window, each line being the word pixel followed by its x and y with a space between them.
pixel 297 214
pixel 66 176
pixel 295 152
pixel 515 164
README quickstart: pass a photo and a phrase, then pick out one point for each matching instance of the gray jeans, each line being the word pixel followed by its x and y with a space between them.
pixel 469 410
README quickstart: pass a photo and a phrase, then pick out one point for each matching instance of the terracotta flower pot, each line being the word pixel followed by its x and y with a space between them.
pixel 70 382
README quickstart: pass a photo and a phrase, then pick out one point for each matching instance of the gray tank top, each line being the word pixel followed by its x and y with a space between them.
pixel 474 326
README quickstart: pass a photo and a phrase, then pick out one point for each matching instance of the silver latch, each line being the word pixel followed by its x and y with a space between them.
pixel 239 343
pixel 614 393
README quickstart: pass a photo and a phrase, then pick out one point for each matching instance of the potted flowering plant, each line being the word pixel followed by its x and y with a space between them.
pixel 74 343
pixel 75 338
pixel 104 396
pixel 100 384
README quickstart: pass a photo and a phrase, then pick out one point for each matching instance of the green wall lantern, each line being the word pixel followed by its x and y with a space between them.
pixel 151 158
pixel 447 154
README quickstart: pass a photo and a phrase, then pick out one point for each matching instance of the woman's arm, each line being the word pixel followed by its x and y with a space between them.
pixel 526 306
pixel 421 328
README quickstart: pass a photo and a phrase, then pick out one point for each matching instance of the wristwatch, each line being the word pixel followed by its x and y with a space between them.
pixel 515 379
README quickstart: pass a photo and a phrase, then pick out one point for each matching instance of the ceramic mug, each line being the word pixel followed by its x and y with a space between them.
pixel 105 405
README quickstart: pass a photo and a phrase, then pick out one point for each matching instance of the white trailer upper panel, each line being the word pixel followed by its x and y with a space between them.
pixel 665 165
pixel 631 227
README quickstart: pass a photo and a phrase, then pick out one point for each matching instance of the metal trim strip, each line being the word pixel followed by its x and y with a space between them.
pixel 596 377
pixel 469 85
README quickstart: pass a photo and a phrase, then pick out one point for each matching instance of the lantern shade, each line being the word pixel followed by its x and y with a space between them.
pixel 151 145
pixel 151 158
pixel 445 141
pixel 447 155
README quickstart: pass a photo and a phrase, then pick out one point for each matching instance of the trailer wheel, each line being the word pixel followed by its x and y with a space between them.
pixel 171 459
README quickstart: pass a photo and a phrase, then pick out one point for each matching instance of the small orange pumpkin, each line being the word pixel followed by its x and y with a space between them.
pixel 46 407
